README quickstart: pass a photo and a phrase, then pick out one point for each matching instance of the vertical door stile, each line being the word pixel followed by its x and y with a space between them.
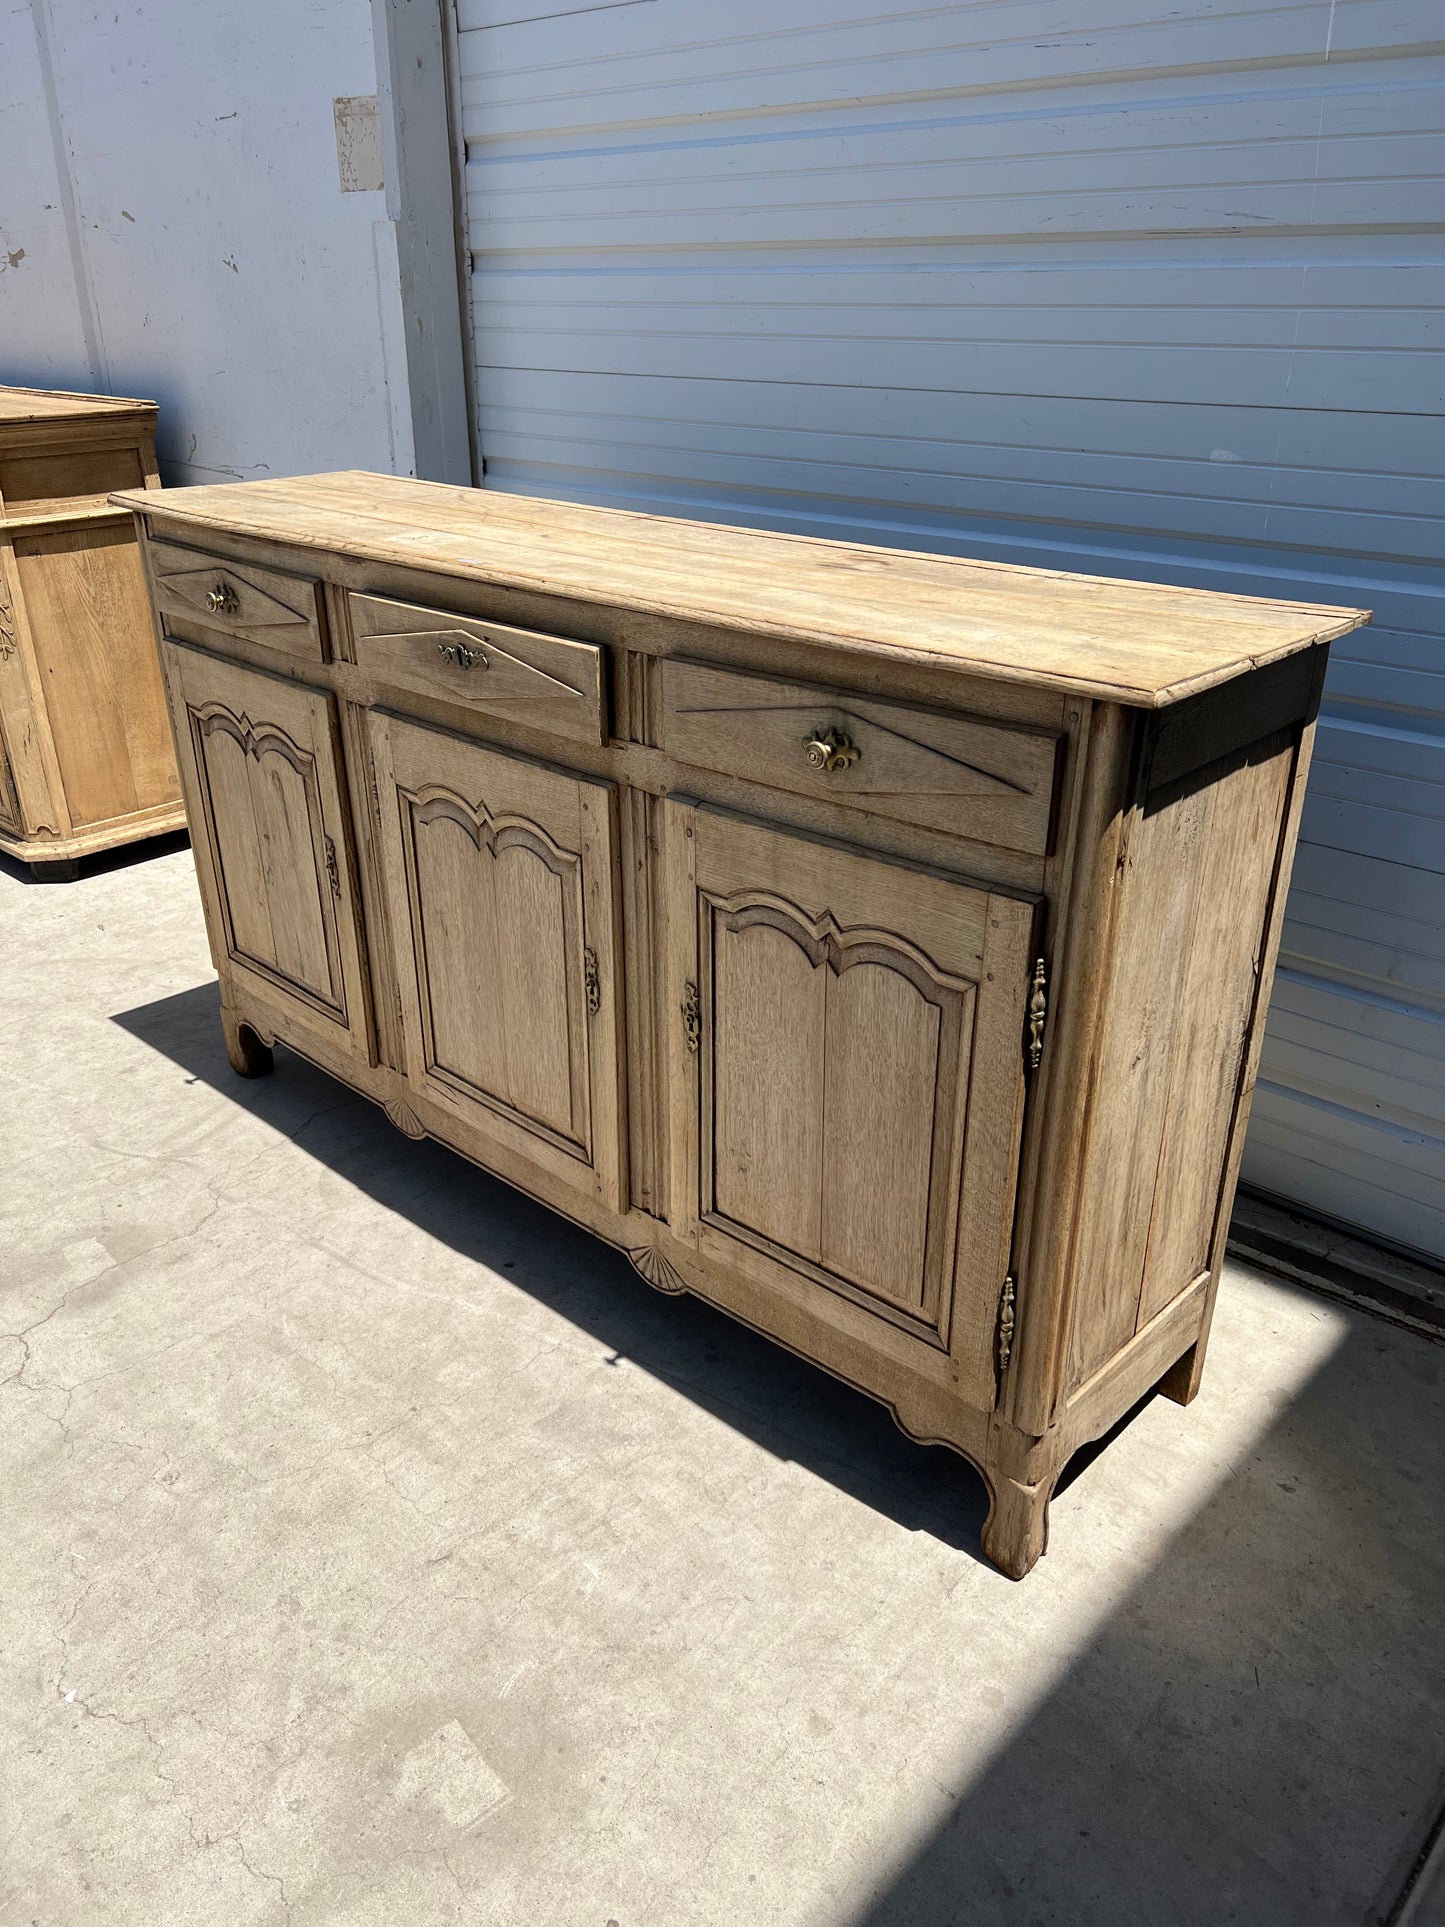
pixel 687 1038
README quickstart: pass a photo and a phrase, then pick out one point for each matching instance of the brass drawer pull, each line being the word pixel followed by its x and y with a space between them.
pixel 462 656
pixel 223 600
pixel 829 749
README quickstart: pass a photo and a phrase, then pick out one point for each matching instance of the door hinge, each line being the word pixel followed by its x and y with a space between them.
pixel 1005 1324
pixel 331 869
pixel 691 1019
pixel 591 979
pixel 1038 1013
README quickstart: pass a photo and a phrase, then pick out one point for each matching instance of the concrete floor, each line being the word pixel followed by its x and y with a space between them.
pixel 378 1549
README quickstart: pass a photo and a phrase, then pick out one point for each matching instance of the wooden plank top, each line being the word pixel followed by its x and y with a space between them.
pixel 57 405
pixel 1130 642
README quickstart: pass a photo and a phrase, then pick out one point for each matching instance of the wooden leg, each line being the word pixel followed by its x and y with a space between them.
pixel 1181 1381
pixel 249 1056
pixel 1017 1527
pixel 59 872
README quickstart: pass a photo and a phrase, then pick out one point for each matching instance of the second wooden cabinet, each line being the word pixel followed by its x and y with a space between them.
pixel 875 945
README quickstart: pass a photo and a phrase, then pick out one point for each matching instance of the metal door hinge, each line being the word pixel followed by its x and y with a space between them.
pixel 1005 1324
pixel 691 1019
pixel 1038 1013
pixel 331 869
pixel 591 979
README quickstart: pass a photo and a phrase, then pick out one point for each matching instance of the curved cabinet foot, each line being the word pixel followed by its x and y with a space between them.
pixel 249 1056
pixel 1017 1527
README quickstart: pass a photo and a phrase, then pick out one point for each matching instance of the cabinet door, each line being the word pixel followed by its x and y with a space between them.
pixel 500 894
pixel 261 766
pixel 847 1080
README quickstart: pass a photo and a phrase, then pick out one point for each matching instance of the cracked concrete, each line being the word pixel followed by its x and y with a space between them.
pixel 377 1548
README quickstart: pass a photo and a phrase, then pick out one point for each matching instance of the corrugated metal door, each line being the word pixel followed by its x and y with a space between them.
pixel 1148 295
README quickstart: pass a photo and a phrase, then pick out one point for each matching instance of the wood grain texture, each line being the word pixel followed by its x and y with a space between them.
pixel 1136 643
pixel 500 876
pixel 544 682
pixel 261 760
pixel 857 1074
pixel 773 1046
pixel 280 610
pixel 22 406
pixel 41 484
pixel 86 600
pixel 82 713
pixel 970 778
pixel 1186 971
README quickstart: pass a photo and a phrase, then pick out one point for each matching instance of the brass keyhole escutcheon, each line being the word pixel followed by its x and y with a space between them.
pixel 591 980
pixel 223 600
pixel 830 749
pixel 461 655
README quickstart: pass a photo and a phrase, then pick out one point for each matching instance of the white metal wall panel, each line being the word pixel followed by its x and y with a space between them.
pixel 172 224
pixel 1104 289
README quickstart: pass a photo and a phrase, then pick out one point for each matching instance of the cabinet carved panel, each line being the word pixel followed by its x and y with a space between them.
pixel 500 881
pixel 836 1077
pixel 264 768
pixel 496 926
pixel 823 1129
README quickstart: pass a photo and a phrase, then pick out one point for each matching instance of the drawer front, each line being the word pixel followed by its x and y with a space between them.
pixel 239 599
pixel 544 682
pixel 991 782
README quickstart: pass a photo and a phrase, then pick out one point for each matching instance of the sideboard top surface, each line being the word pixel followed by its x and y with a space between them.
pixel 1140 643
pixel 18 405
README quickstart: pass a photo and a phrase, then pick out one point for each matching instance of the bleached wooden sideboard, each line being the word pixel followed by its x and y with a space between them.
pixel 874 944
pixel 85 749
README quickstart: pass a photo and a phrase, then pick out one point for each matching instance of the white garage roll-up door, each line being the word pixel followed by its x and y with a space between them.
pixel 1144 295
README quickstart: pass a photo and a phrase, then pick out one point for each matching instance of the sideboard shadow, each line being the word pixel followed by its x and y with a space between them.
pixel 788 1406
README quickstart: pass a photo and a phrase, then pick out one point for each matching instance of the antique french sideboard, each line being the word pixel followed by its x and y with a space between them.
pixel 875 944
pixel 85 749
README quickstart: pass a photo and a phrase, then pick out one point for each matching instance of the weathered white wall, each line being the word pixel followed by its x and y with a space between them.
pixel 172 225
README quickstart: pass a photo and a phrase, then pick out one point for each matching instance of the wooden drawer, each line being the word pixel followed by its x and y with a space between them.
pixel 544 682
pixel 991 782
pixel 239 599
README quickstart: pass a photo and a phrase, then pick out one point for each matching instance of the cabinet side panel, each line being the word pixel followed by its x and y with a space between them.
pixel 1199 866
pixel 90 621
pixel 1130 1075
pixel 1222 970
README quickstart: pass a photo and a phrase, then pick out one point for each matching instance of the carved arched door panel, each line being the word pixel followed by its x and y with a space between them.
pixel 261 768
pixel 500 898
pixel 847 1093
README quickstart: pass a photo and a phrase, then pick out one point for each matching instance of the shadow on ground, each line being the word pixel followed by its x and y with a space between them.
pixel 790 1407
pixel 1257 1733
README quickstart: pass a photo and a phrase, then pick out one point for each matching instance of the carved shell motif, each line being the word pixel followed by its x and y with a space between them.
pixel 404 1118
pixel 651 1264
